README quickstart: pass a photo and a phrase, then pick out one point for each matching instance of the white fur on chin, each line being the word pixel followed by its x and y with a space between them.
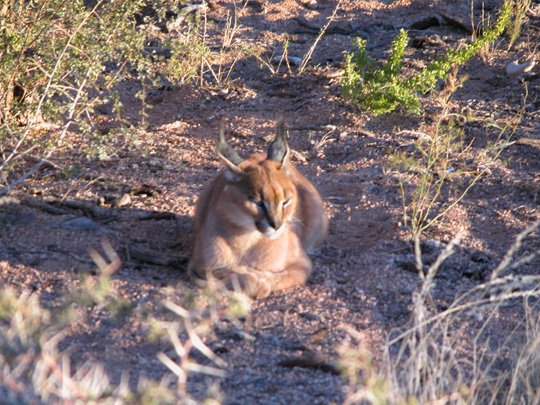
pixel 275 234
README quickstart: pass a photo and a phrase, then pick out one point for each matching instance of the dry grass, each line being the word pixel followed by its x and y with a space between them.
pixel 35 371
pixel 440 157
pixel 444 358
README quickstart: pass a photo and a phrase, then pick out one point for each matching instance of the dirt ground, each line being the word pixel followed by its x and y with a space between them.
pixel 362 275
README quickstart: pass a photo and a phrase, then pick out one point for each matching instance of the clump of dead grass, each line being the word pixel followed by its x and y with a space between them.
pixel 35 371
pixel 445 357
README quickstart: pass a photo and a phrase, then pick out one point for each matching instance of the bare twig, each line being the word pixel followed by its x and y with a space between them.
pixel 433 269
pixel 40 204
pixel 90 208
pixel 505 263
pixel 307 56
pixel 159 258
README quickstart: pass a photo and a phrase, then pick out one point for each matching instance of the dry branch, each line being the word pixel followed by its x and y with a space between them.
pixel 89 208
pixel 159 258
pixel 310 359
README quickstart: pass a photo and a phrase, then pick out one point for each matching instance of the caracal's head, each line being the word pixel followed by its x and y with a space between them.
pixel 259 191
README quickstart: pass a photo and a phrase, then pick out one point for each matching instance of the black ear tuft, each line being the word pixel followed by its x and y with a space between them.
pixel 279 148
pixel 226 153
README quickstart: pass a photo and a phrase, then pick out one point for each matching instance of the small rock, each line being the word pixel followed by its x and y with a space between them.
pixel 155 162
pixel 244 335
pixel 295 60
pixel 311 5
pixel 515 68
pixel 236 334
pixel 472 272
pixel 257 6
pixel 432 246
pixel 124 199
pixel 425 23
pixel 9 201
pixel 310 359
pixel 477 316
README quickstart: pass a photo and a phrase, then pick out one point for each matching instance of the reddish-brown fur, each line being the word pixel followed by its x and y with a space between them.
pixel 255 223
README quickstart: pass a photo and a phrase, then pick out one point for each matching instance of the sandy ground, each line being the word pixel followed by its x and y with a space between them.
pixel 362 275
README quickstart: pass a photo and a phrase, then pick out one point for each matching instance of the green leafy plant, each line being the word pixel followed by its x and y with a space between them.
pixel 427 170
pixel 382 88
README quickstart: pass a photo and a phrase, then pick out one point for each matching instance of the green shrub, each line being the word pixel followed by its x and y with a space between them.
pixel 382 89
pixel 53 48
pixel 58 61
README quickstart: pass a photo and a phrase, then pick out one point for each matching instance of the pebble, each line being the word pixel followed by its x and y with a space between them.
pixel 295 60
pixel 515 68
pixel 124 199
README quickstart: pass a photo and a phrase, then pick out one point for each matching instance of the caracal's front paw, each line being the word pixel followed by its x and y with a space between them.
pixel 198 278
pixel 250 284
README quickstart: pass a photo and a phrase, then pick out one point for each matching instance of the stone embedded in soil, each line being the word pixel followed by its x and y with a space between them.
pixel 515 68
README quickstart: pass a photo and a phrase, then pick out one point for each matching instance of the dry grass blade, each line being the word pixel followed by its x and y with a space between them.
pixel 199 344
pixel 505 263
pixel 181 350
pixel 307 56
pixel 171 365
pixel 523 287
pixel 107 269
pixel 198 368
pixel 177 309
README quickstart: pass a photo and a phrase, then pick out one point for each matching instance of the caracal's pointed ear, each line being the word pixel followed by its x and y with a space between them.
pixel 228 156
pixel 279 148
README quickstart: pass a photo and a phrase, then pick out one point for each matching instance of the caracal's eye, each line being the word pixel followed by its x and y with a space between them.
pixel 286 202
